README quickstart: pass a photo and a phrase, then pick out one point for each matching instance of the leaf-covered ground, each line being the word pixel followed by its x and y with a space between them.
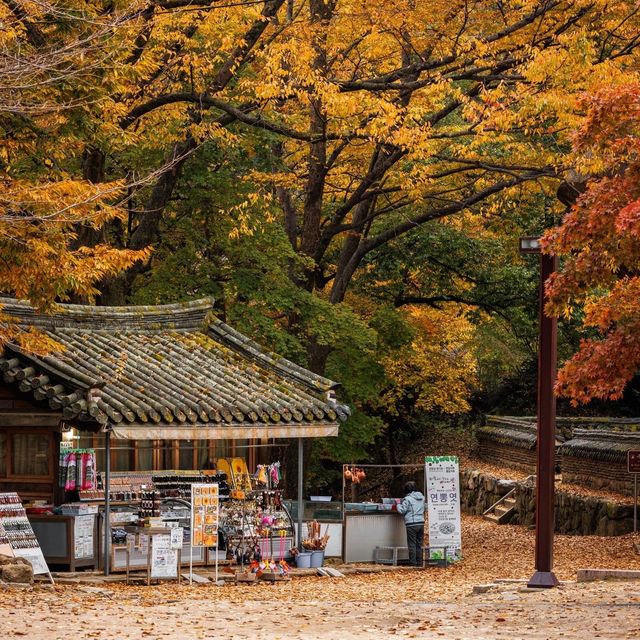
pixel 433 603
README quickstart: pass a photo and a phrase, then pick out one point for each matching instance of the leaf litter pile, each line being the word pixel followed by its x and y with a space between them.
pixel 491 552
pixel 410 603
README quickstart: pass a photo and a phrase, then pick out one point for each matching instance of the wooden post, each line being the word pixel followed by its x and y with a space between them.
pixel 545 477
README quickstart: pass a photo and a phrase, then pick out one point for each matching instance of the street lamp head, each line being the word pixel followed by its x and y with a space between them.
pixel 530 244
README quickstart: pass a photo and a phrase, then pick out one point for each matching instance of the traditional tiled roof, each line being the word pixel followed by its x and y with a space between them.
pixel 169 364
pixel 608 446
pixel 515 432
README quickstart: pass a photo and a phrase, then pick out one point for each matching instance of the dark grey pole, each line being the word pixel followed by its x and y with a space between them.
pixel 107 500
pixel 300 491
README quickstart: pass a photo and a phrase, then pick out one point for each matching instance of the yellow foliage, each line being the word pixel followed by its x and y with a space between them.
pixel 438 368
pixel 487 91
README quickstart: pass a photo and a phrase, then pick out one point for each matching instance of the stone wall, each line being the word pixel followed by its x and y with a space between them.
pixel 480 491
pixel 598 458
pixel 574 515
pixel 577 515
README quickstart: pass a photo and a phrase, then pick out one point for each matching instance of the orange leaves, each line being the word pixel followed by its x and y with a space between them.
pixel 629 219
pixel 599 239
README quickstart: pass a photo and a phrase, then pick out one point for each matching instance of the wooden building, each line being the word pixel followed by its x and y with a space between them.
pixel 175 387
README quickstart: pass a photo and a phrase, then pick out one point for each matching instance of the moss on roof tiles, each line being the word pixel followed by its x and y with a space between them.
pixel 162 363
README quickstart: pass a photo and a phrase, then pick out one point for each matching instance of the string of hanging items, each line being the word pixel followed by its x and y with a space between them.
pixel 268 475
pixel 78 470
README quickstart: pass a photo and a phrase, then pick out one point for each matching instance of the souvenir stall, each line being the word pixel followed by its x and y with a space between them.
pixel 68 534
pixel 372 523
pixel 142 504
pixel 166 373
pixel 254 523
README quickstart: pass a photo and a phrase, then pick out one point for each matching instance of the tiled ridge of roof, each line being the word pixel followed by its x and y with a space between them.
pixel 163 364
pixel 609 446
pixel 180 315
pixel 520 435
pixel 606 423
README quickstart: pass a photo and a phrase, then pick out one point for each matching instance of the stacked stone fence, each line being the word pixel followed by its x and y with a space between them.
pixel 574 514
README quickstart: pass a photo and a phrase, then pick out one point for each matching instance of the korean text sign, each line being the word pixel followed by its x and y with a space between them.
pixel 443 500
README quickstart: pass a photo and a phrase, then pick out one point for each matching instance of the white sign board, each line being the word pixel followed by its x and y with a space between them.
pixel 83 535
pixel 35 557
pixel 164 559
pixel 177 537
pixel 443 500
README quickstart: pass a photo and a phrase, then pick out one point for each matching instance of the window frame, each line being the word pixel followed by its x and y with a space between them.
pixel 11 476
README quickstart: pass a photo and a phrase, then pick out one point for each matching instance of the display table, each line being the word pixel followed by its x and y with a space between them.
pixel 136 558
pixel 363 532
pixel 166 566
pixel 70 541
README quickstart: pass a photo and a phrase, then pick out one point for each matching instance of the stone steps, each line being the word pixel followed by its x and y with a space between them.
pixel 502 512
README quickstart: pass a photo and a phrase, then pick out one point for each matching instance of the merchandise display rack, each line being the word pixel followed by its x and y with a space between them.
pixel 257 527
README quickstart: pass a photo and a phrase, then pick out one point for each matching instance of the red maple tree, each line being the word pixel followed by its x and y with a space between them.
pixel 599 240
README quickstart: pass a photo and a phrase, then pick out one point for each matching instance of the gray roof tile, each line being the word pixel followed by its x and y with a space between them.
pixel 162 364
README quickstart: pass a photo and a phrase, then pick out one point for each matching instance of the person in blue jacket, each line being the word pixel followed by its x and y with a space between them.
pixel 412 508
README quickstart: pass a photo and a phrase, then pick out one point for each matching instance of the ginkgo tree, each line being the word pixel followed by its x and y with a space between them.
pixel 51 56
pixel 70 70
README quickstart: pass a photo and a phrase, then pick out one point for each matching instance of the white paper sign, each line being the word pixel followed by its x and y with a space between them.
pixel 83 535
pixel 177 537
pixel 443 499
pixel 164 559
pixel 35 557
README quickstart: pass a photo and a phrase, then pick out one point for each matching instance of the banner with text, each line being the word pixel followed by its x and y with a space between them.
pixel 204 515
pixel 443 500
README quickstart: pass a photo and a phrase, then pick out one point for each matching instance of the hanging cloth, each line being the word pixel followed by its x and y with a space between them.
pixel 71 467
pixel 274 474
pixel 89 480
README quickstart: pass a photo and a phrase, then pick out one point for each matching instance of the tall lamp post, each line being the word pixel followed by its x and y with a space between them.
pixel 546 411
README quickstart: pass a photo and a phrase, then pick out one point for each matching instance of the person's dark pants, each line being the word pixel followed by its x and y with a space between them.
pixel 415 540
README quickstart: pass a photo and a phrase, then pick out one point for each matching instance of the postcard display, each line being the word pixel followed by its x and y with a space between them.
pixel 17 536
pixel 205 513
pixel 443 499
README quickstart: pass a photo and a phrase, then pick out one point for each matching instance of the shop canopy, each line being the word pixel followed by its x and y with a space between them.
pixel 166 372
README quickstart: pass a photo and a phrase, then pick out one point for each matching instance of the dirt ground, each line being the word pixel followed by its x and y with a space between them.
pixel 431 603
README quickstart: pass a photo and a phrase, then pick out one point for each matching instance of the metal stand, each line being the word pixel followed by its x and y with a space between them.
pixel 107 499
pixel 545 477
pixel 218 538
pixel 300 490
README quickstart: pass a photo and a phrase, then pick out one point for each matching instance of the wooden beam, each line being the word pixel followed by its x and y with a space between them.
pixel 27 419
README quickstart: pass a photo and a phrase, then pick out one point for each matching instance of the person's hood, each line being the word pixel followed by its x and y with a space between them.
pixel 416 495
